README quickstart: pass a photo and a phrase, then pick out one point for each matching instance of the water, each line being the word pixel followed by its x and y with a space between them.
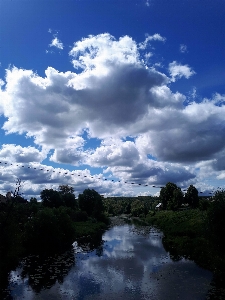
pixel 130 263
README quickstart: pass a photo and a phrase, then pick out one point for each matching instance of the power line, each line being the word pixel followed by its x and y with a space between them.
pixel 72 173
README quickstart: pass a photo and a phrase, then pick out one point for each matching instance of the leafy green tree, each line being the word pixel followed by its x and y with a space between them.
pixel 65 189
pixel 216 218
pixel 51 198
pixel 137 208
pixel 49 230
pixel 177 199
pixel 91 202
pixel 204 204
pixel 68 197
pixel 33 200
pixel 191 197
pixel 171 196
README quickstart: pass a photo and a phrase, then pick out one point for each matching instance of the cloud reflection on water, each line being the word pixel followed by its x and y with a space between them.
pixel 132 265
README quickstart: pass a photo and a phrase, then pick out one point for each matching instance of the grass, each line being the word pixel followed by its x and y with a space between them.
pixel 88 228
pixel 186 234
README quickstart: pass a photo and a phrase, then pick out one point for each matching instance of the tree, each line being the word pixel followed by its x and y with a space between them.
pixel 137 208
pixel 191 197
pixel 176 200
pixel 65 189
pixel 67 195
pixel 33 200
pixel 49 229
pixel 216 218
pixel 91 202
pixel 51 198
pixel 171 196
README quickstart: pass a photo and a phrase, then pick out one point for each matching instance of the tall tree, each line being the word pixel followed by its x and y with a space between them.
pixel 177 199
pixel 191 197
pixel 170 196
pixel 66 189
pixel 51 198
pixel 91 202
pixel 216 218
pixel 68 197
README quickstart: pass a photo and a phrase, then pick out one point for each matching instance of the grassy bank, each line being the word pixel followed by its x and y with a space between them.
pixel 186 234
pixel 88 229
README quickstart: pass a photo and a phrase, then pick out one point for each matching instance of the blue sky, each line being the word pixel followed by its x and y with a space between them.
pixel 112 93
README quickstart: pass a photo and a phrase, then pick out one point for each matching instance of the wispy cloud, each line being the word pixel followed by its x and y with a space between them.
pixel 183 48
pixel 177 71
pixel 149 38
pixel 56 43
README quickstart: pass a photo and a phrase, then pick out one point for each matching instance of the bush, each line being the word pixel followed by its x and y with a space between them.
pixel 216 218
pixel 49 230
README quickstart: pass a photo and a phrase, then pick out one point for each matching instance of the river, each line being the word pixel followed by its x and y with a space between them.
pixel 129 263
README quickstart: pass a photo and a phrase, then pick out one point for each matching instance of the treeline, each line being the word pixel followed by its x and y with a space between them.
pixel 172 198
pixel 135 206
pixel 49 226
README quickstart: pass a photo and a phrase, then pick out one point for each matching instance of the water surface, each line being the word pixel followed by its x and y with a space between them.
pixel 131 263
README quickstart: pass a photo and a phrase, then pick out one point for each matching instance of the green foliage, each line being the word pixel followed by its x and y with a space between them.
pixel 171 196
pixel 51 198
pixel 33 200
pixel 49 230
pixel 176 200
pixel 115 206
pixel 137 208
pixel 188 222
pixel 204 204
pixel 216 218
pixel 191 197
pixel 91 202
pixel 89 228
pixel 65 189
pixel 68 197
pixel 187 234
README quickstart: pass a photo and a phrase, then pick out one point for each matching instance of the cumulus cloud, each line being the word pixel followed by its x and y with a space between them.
pixel 56 43
pixel 118 154
pixel 113 94
pixel 16 153
pixel 177 71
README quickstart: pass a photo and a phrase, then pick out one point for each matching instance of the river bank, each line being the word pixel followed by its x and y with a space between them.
pixel 186 235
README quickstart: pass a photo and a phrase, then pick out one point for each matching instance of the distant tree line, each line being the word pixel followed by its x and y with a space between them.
pixel 134 206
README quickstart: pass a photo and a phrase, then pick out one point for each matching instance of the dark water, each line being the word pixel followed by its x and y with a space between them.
pixel 131 263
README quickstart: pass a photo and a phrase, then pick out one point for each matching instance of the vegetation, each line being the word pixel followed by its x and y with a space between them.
pixel 134 206
pixel 197 234
pixel 49 226
pixel 194 227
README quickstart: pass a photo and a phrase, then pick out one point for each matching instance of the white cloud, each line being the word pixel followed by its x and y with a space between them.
pixel 183 48
pixel 177 71
pixel 56 43
pixel 149 38
pixel 118 154
pixel 16 153
pixel 114 96
pixel 102 51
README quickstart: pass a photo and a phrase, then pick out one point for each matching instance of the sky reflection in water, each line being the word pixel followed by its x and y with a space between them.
pixel 131 264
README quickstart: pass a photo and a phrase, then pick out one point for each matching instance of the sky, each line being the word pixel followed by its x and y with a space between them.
pixel 113 95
